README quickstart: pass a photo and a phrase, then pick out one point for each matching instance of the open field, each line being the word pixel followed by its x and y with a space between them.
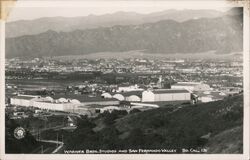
pixel 141 54
pixel 42 83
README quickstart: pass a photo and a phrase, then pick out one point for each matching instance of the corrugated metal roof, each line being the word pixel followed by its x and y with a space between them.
pixel 127 94
pixel 162 91
pixel 24 97
pixel 84 98
pixel 212 94
pixel 186 84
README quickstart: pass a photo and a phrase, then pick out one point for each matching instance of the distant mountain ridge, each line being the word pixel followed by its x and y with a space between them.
pixel 222 34
pixel 30 27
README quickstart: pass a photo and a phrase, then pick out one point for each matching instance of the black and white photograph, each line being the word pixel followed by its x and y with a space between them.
pixel 131 78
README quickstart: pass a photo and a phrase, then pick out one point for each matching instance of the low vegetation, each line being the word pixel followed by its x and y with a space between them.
pixel 14 145
pixel 193 126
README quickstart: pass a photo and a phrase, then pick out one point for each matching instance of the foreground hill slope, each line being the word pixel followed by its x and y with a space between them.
pixel 228 141
pixel 208 126
pixel 14 145
pixel 187 126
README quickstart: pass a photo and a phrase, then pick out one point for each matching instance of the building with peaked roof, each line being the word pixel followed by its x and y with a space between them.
pixel 109 109
pixel 132 96
pixel 191 86
pixel 159 95
pixel 128 88
pixel 68 103
pixel 209 96
pixel 119 97
pixel 106 95
pixel 87 100
pixel 21 100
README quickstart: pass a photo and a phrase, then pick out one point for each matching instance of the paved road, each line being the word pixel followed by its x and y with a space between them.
pixel 60 144
pixel 35 132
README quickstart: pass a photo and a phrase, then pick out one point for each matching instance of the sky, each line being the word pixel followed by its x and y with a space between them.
pixel 28 10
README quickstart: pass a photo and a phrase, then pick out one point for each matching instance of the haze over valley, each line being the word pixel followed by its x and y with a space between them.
pixel 163 32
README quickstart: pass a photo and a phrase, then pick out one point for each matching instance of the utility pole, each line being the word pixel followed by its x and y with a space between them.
pixel 45 124
pixel 63 121
pixel 37 134
pixel 57 139
pixel 40 135
pixel 42 149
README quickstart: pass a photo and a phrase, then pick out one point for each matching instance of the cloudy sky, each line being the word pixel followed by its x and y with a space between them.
pixel 27 10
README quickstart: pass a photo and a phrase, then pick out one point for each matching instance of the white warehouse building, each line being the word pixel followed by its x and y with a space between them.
pixel 160 95
pixel 128 88
pixel 43 102
pixel 22 100
pixel 191 86
pixel 132 96
pixel 67 103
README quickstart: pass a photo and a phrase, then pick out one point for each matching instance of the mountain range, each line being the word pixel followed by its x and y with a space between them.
pixel 222 34
pixel 66 24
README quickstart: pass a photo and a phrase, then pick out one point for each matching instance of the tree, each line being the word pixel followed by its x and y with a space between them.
pixel 135 140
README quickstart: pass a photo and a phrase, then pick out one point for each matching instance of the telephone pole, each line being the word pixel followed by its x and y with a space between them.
pixel 57 139
pixel 42 149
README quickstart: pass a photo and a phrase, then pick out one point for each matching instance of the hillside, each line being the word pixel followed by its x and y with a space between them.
pixel 65 24
pixel 223 35
pixel 208 125
pixel 14 145
pixel 184 127
pixel 228 141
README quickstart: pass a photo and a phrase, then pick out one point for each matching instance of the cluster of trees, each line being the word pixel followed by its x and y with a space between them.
pixel 109 137
pixel 14 145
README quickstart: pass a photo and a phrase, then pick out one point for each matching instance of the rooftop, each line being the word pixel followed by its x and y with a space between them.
pixel 186 84
pixel 127 94
pixel 24 97
pixel 162 91
pixel 212 94
pixel 84 98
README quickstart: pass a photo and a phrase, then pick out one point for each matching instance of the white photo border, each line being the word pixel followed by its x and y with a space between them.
pixel 168 3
